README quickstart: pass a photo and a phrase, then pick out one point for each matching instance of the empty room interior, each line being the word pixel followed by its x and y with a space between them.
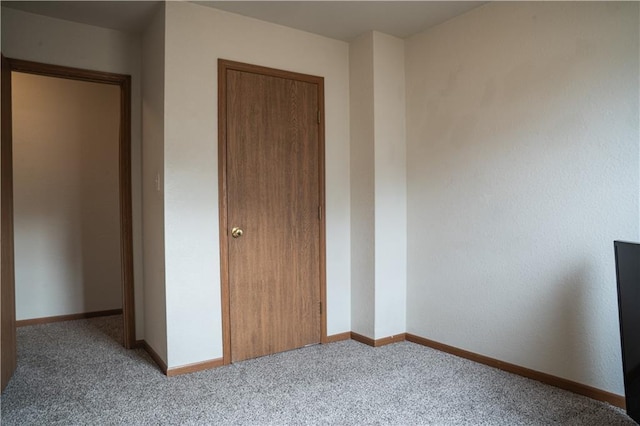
pixel 212 185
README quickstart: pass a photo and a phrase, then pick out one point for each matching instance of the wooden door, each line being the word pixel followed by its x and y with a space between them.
pixel 7 289
pixel 274 195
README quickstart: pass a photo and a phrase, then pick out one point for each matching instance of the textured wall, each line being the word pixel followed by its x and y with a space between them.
pixel 54 41
pixel 378 185
pixel 362 156
pixel 66 196
pixel 155 306
pixel 390 185
pixel 522 169
pixel 196 36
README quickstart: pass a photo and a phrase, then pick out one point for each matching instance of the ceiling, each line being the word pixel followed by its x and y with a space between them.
pixel 346 20
pixel 342 20
pixel 127 16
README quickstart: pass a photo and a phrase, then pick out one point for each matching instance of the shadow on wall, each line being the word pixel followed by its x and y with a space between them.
pixel 566 341
pixel 66 141
pixel 100 200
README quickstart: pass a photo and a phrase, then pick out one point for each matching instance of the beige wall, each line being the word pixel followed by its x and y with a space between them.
pixel 155 305
pixel 523 168
pixel 66 196
pixel 362 156
pixel 378 185
pixel 196 36
pixel 53 41
pixel 390 185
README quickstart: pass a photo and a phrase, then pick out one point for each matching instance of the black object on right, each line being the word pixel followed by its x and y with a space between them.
pixel 628 277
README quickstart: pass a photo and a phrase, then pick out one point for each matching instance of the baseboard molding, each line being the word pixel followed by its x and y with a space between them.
pixel 154 356
pixel 338 337
pixel 378 342
pixel 192 368
pixel 70 317
pixel 363 339
pixel 176 371
pixel 571 386
pixel 390 339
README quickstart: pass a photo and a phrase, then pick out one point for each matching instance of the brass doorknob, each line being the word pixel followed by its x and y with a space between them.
pixel 236 232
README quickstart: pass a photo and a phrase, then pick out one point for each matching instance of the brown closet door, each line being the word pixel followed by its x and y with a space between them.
pixel 274 198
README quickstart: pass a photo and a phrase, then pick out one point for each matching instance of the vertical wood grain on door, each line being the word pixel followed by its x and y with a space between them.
pixel 7 291
pixel 273 195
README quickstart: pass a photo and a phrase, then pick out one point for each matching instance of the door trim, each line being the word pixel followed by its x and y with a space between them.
pixel 8 352
pixel 124 178
pixel 224 66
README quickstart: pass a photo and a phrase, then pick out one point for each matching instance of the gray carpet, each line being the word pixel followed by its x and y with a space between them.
pixel 76 372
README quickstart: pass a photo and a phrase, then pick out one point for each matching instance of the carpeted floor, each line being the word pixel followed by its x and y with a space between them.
pixel 76 372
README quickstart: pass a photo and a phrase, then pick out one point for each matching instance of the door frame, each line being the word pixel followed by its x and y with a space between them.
pixel 8 353
pixel 124 174
pixel 224 66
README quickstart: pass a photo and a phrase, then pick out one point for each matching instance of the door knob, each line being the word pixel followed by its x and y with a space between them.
pixel 236 232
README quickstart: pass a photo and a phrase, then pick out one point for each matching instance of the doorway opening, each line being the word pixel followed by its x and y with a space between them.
pixel 88 195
